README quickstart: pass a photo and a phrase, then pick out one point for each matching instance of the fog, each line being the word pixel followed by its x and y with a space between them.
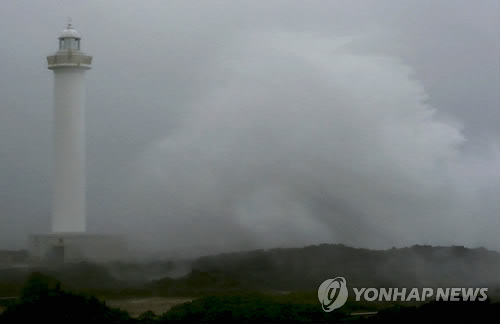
pixel 225 126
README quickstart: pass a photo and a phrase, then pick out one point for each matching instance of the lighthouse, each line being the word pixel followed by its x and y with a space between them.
pixel 69 240
pixel 69 64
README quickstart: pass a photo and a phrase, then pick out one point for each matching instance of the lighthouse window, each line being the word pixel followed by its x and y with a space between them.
pixel 70 43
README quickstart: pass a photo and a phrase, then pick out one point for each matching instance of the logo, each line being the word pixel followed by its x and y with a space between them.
pixel 332 293
pixel 416 294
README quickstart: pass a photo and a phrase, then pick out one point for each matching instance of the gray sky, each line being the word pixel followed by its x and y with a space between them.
pixel 216 126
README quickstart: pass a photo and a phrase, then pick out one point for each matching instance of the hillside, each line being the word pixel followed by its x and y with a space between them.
pixel 277 270
pixel 305 268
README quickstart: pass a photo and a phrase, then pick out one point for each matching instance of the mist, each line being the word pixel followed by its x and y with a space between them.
pixel 343 148
pixel 224 127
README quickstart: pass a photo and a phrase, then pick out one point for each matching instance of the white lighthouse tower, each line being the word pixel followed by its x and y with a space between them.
pixel 69 64
pixel 69 240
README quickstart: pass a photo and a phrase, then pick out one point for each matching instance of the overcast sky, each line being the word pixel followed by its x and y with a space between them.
pixel 216 126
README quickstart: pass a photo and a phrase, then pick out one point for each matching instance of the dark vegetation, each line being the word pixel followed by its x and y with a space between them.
pixel 278 285
pixel 43 301
pixel 306 268
pixel 441 312
pixel 277 270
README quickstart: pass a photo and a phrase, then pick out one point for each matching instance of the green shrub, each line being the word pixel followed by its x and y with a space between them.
pixel 247 309
pixel 42 300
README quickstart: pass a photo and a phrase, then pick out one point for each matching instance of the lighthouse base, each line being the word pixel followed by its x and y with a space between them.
pixel 56 248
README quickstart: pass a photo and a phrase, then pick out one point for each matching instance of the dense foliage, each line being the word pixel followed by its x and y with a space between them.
pixel 43 301
pixel 305 268
pixel 278 270
pixel 278 285
pixel 245 309
pixel 441 312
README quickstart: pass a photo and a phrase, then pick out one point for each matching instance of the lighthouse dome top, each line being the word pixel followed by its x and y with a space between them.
pixel 69 53
pixel 69 32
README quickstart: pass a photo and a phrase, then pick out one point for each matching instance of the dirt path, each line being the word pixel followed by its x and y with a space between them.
pixel 137 306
